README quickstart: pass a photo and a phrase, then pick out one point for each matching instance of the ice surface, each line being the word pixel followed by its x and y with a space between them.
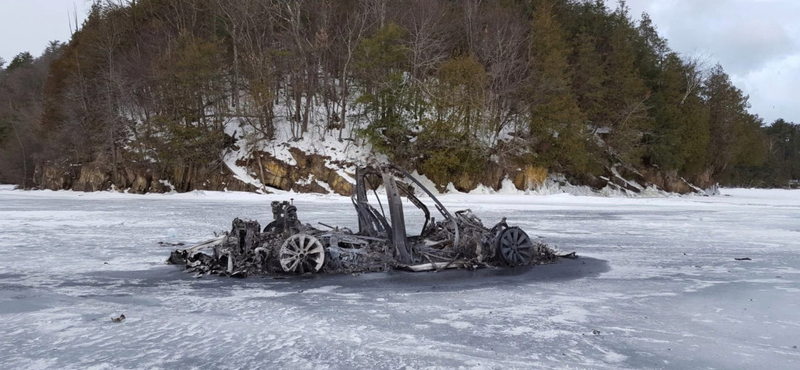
pixel 657 281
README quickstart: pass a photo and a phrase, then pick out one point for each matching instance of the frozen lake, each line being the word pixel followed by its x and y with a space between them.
pixel 657 287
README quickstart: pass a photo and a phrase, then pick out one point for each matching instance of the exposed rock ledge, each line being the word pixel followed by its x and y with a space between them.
pixel 136 179
pixel 311 173
pixel 315 173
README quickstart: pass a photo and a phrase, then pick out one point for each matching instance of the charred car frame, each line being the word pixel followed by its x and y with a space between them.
pixel 382 242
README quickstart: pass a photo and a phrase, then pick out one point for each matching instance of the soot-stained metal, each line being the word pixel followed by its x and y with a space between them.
pixel 287 246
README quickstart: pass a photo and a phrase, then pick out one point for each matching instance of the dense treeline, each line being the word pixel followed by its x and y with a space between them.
pixel 450 88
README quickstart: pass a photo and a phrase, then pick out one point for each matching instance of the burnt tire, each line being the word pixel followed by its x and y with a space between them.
pixel 301 253
pixel 515 247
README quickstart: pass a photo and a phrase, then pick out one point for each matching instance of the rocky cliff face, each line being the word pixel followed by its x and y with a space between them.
pixel 311 173
pixel 304 172
pixel 136 179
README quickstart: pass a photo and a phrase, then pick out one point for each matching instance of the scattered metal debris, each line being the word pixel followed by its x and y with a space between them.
pixel 286 245
pixel 171 244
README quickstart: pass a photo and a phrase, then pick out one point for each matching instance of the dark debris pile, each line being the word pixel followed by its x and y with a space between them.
pixel 286 245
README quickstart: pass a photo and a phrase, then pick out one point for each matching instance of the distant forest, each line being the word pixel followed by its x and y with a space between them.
pixel 450 88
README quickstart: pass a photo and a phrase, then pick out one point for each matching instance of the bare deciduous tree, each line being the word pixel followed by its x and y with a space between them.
pixel 697 69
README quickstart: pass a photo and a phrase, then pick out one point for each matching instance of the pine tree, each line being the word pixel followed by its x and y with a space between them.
pixel 20 60
pixel 379 62
pixel 557 126
pixel 783 142
pixel 450 144
pixel 725 108
pixel 625 94
pixel 589 78
pixel 680 130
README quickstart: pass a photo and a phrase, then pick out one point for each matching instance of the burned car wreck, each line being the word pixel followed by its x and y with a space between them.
pixel 382 242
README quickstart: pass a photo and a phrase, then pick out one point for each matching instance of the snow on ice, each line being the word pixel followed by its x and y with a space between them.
pixel 657 287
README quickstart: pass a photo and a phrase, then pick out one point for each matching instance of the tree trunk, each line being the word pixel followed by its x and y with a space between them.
pixel 24 157
pixel 235 72
pixel 343 83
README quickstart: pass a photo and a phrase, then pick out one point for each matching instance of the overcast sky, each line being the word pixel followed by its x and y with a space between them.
pixel 27 25
pixel 757 41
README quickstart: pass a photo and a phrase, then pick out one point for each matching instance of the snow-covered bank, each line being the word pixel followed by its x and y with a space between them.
pixel 264 165
pixel 658 287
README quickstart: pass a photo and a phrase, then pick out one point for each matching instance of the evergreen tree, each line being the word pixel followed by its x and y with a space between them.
pixel 379 62
pixel 21 60
pixel 459 92
pixel 680 131
pixel 783 144
pixel 589 78
pixel 558 128
pixel 625 94
pixel 727 107
pixel 450 143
